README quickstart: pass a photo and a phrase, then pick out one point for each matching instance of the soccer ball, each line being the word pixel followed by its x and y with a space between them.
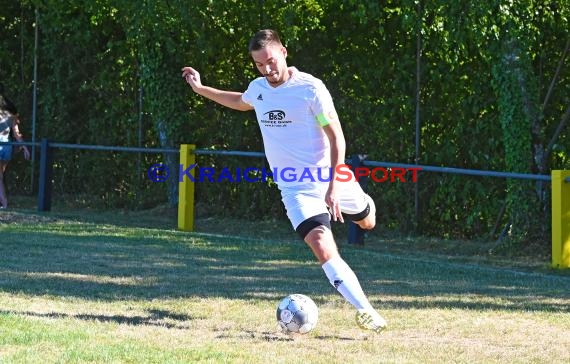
pixel 297 313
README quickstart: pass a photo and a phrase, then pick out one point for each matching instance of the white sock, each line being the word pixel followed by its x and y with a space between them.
pixel 346 283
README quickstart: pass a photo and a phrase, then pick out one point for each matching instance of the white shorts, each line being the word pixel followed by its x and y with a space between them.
pixel 307 200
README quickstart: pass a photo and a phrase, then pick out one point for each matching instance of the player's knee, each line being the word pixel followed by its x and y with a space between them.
pixel 366 219
pixel 367 223
pixel 322 243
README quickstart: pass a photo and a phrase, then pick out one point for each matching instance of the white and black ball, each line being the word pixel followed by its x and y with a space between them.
pixel 297 313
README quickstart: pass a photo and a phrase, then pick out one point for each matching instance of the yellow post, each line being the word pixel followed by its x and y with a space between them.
pixel 186 188
pixel 560 219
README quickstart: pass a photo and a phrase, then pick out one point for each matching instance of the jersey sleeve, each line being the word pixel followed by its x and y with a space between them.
pixel 323 106
pixel 247 96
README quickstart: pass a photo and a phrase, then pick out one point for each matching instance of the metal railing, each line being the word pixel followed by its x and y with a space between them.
pixel 355 233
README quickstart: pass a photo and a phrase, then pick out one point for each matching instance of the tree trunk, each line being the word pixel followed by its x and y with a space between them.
pixel 516 92
pixel 171 162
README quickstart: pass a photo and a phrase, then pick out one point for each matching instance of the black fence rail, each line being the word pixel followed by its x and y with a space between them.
pixel 356 235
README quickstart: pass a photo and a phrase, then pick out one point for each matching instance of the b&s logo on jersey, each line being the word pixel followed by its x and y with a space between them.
pixel 275 118
pixel 275 114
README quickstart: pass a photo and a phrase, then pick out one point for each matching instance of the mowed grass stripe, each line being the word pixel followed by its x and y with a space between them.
pixel 85 292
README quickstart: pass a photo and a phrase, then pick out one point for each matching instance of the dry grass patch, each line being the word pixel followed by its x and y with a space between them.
pixel 83 292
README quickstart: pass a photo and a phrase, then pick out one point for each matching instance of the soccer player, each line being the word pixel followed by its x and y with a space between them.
pixel 301 130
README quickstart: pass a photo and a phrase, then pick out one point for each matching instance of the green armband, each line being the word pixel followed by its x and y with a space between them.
pixel 322 119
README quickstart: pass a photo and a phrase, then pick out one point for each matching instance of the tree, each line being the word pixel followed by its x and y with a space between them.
pixel 494 95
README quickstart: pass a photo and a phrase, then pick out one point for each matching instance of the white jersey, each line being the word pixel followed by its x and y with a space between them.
pixel 291 118
pixel 6 123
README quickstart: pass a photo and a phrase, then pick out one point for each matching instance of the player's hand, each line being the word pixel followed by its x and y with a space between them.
pixel 192 77
pixel 333 203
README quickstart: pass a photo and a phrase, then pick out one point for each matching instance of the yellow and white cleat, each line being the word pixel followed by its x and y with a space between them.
pixel 370 320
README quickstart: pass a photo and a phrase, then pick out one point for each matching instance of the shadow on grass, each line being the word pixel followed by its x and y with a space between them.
pixel 160 318
pixel 112 263
pixel 88 262
pixel 272 336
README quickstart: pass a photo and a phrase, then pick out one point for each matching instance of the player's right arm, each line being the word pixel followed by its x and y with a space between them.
pixel 229 99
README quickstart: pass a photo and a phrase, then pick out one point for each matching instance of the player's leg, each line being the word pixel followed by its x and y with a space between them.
pixel 369 221
pixel 310 218
pixel 5 157
pixel 359 207
pixel 3 198
pixel 316 232
pixel 321 241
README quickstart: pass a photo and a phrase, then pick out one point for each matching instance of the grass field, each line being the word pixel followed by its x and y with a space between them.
pixel 85 287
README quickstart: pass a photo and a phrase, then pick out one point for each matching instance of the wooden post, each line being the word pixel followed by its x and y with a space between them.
pixel 186 188
pixel 561 219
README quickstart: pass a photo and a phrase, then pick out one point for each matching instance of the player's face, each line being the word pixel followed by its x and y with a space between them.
pixel 270 62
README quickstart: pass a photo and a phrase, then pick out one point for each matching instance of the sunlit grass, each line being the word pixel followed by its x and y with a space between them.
pixel 74 291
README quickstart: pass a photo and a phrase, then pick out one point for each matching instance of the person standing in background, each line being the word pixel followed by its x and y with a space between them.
pixel 9 125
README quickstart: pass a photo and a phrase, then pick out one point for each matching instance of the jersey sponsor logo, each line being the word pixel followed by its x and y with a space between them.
pixel 260 97
pixel 275 114
pixel 275 118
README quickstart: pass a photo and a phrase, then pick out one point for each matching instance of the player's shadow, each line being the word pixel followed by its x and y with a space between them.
pixel 336 337
pixel 262 336
pixel 281 336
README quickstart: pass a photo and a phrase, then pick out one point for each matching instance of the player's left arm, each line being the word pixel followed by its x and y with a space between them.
pixel 333 131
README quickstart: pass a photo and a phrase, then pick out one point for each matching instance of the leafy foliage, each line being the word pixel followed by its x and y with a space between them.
pixel 109 74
